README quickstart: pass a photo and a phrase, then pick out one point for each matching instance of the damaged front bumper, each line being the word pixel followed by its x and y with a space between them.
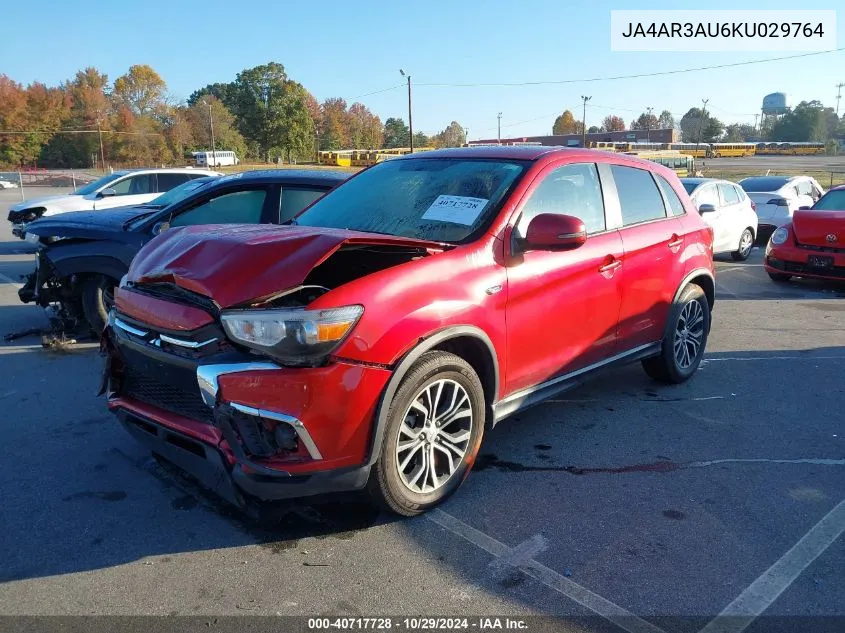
pixel 19 229
pixel 242 428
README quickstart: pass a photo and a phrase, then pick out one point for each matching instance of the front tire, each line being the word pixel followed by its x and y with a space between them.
pixel 434 429
pixel 97 300
pixel 779 277
pixel 746 243
pixel 685 339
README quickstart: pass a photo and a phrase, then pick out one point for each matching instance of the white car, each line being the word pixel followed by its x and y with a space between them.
pixel 728 210
pixel 119 189
pixel 8 184
pixel 778 197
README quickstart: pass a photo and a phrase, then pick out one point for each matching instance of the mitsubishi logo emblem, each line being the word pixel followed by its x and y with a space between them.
pixel 831 237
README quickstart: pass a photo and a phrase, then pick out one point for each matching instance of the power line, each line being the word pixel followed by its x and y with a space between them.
pixel 78 132
pixel 634 76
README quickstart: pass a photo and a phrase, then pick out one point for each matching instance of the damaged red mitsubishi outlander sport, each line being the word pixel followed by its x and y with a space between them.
pixel 373 341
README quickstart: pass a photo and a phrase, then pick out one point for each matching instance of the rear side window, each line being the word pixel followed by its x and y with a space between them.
pixel 569 190
pixel 239 207
pixel 166 182
pixel 676 207
pixel 638 195
pixel 729 194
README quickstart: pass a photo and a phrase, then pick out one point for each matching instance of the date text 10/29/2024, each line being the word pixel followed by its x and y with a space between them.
pixel 418 624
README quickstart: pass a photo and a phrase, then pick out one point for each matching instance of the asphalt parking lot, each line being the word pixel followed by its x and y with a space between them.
pixel 655 507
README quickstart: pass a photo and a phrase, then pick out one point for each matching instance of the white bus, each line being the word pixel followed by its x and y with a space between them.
pixel 216 158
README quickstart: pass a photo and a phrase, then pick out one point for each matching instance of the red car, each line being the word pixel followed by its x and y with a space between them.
pixel 812 244
pixel 374 340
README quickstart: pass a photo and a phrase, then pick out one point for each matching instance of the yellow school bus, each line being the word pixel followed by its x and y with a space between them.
pixel 681 164
pixel 698 150
pixel 719 150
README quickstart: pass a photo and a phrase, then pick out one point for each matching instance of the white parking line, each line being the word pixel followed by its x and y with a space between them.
pixel 752 602
pixel 794 357
pixel 572 590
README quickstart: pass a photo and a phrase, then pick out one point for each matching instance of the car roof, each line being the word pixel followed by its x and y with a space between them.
pixel 522 152
pixel 176 170
pixel 329 177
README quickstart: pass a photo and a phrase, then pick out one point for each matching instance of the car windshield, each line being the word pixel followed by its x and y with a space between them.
pixel 179 192
pixel 436 199
pixel 763 183
pixel 97 184
pixel 831 201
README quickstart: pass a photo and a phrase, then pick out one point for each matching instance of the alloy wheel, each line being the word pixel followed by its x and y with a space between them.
pixel 689 334
pixel 745 243
pixel 434 436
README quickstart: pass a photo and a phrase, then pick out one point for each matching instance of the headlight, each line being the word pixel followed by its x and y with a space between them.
pixel 295 337
pixel 780 236
pixel 31 238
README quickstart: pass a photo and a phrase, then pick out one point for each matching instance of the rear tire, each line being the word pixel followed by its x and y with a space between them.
pixel 685 339
pixel 97 300
pixel 779 277
pixel 746 243
pixel 418 467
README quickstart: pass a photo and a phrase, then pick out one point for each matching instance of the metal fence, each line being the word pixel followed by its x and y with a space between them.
pixel 20 181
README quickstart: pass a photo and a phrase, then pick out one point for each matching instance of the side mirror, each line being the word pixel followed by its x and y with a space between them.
pixel 706 208
pixel 160 227
pixel 804 208
pixel 108 192
pixel 552 232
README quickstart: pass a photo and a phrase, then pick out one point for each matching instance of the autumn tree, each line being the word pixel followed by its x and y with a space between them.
pixel 566 124
pixel 13 119
pixel 452 136
pixel 613 123
pixel 141 89
pixel 226 134
pixel 366 130
pixel 334 124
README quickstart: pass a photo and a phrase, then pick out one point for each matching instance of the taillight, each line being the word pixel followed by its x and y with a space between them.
pixel 753 206
pixel 779 202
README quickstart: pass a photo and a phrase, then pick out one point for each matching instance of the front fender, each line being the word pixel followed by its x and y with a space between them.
pixel 101 258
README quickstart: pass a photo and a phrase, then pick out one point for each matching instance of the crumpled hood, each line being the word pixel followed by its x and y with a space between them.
pixel 814 227
pixel 236 263
pixel 88 224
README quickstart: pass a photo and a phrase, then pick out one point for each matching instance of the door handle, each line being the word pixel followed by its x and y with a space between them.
pixel 610 266
pixel 675 242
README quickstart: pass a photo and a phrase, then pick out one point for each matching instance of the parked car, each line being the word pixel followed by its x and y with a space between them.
pixel 376 339
pixel 119 189
pixel 8 184
pixel 778 197
pixel 83 255
pixel 812 244
pixel 726 208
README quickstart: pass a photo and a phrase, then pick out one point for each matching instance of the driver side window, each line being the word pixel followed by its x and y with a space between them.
pixel 569 190
pixel 238 207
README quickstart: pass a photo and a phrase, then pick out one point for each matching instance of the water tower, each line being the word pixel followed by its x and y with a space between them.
pixel 774 107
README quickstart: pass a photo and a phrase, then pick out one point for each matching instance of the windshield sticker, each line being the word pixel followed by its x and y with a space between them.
pixel 455 209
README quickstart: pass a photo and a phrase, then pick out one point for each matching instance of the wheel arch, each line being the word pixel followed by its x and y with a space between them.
pixel 467 341
pixel 704 279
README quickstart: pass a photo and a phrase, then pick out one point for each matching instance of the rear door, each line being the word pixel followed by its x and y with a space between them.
pixel 167 181
pixel 653 239
pixel 732 217
pixel 295 198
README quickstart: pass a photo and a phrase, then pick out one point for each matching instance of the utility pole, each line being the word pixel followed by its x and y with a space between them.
pixel 584 121
pixel 102 153
pixel 466 136
pixel 648 125
pixel 211 125
pixel 839 87
pixel 755 123
pixel 499 134
pixel 703 116
pixel 410 122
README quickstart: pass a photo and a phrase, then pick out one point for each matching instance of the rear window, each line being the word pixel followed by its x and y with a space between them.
pixel 689 186
pixel 832 201
pixel 763 183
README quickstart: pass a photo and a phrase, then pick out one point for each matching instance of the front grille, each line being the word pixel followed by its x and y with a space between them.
pixel 152 391
pixel 821 249
pixel 172 292
pixel 798 268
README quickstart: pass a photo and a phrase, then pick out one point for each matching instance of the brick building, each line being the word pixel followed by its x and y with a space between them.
pixel 667 135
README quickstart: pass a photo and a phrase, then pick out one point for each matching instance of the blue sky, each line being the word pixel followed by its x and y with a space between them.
pixel 355 47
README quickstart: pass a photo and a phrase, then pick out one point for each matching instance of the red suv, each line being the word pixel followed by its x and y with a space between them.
pixel 372 341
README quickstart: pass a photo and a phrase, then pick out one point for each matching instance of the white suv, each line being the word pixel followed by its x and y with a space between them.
pixel 119 189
